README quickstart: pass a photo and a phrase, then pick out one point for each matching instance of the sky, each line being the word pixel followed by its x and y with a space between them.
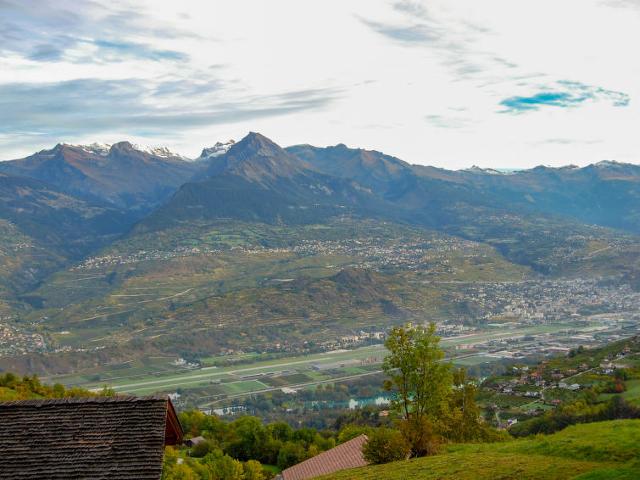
pixel 450 83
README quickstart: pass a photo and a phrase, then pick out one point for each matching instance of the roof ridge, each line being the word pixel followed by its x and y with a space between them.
pixel 35 402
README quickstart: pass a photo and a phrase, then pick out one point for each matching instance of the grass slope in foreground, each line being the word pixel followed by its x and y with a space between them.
pixel 604 450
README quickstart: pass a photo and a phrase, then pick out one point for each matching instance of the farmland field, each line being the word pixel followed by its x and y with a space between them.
pixel 633 392
pixel 256 374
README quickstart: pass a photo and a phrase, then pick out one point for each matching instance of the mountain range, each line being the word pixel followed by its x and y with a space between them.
pixel 122 175
pixel 236 179
pixel 104 241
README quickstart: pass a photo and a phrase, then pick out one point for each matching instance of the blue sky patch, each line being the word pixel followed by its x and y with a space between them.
pixel 574 94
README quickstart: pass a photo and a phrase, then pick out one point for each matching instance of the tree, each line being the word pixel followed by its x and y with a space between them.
pixel 191 421
pixel 202 448
pixel 172 470
pixel 463 422
pixel 313 450
pixel 421 383
pixel 180 472
pixel 352 431
pixel 290 454
pixel 386 445
pixel 222 467
pixel 305 435
pixel 253 471
pixel 58 390
pixel 251 436
pixel 417 375
pixel 270 451
pixel 280 431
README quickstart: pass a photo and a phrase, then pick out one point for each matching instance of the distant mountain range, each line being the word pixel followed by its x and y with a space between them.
pixel 125 176
pixel 82 223
pixel 239 179
pixel 73 197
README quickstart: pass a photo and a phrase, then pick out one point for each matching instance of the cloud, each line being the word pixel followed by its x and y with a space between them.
pixel 417 34
pixel 410 7
pixel 111 50
pixel 623 3
pixel 566 141
pixel 566 94
pixel 93 106
pixel 81 32
pixel 446 121
pixel 455 41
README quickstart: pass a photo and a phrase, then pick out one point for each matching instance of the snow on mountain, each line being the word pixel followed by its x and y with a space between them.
pixel 104 148
pixel 487 171
pixel 607 164
pixel 95 148
pixel 162 152
pixel 218 149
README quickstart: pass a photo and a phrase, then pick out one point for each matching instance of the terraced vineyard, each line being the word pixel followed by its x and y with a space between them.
pixel 238 285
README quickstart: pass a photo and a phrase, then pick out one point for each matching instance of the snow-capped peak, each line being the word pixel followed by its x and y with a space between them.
pixel 218 149
pixel 487 171
pixel 607 164
pixel 95 148
pixel 162 152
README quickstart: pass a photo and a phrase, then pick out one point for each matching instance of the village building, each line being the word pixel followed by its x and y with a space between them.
pixel 192 442
pixel 86 438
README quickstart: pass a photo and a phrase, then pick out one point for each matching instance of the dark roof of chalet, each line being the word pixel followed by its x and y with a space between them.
pixel 78 438
pixel 195 440
pixel 345 455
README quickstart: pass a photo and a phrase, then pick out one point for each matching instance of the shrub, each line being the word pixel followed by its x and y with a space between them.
pixel 386 445
pixel 421 435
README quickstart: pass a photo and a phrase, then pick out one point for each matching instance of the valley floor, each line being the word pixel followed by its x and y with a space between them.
pixel 217 386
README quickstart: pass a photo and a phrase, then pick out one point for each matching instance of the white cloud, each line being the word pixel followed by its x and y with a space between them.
pixel 424 81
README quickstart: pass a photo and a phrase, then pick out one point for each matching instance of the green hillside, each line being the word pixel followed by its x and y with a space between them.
pixel 240 285
pixel 605 450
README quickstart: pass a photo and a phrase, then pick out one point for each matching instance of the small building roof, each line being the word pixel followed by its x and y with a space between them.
pixel 346 455
pixel 77 438
pixel 194 441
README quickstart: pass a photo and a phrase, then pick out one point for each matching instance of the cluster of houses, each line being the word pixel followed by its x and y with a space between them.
pixel 114 259
pixel 533 383
pixel 536 301
pixel 14 341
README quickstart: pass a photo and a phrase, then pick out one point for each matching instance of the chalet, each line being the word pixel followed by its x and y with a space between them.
pixel 346 455
pixel 607 367
pixel 82 438
pixel 192 442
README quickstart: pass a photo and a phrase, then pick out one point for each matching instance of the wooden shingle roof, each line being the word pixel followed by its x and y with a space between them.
pixel 346 455
pixel 82 438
